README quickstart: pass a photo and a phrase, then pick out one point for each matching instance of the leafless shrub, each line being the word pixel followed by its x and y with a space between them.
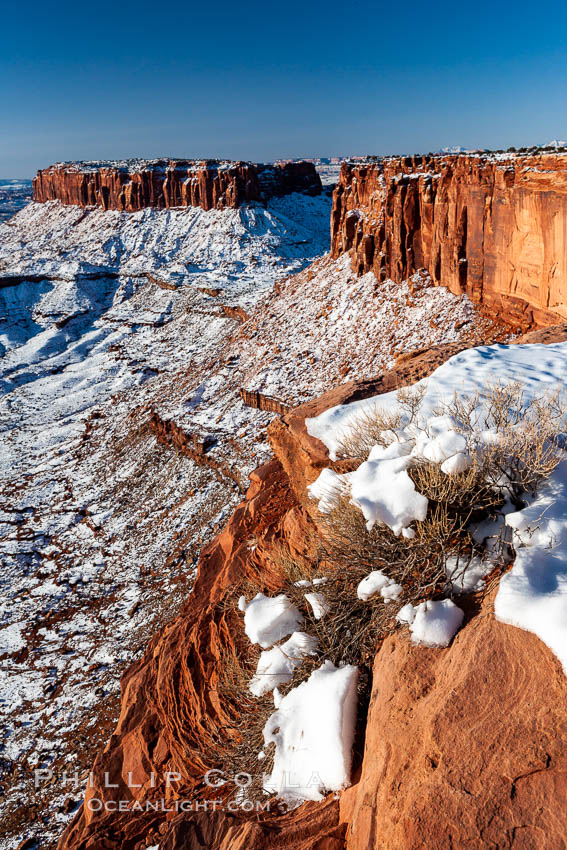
pixel 528 435
pixel 366 431
pixel 350 634
pixel 410 400
pixel 417 564
pixel 373 426
pixel 242 738
pixel 514 444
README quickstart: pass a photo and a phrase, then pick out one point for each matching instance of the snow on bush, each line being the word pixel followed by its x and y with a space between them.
pixel 378 582
pixel 318 603
pixel 313 733
pixel 326 488
pixel 440 443
pixel 432 623
pixel 391 592
pixel 269 619
pixel 385 493
pixel 276 666
pixel 314 723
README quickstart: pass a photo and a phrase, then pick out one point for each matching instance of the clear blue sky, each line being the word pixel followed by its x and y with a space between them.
pixel 260 80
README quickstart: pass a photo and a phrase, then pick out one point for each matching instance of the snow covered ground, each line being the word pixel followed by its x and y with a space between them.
pixel 327 326
pixel 106 318
pixel 100 527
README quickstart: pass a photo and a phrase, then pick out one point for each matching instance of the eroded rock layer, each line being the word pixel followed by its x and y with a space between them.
pixel 493 226
pixel 133 185
pixel 464 746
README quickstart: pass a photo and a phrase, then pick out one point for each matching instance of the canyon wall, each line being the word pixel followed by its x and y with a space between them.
pixel 491 226
pixel 135 184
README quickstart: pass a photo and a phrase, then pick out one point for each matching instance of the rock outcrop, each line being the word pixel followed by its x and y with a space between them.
pixel 491 226
pixel 196 446
pixel 261 401
pixel 134 184
pixel 464 746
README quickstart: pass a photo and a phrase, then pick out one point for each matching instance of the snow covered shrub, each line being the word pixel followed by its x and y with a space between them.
pixel 466 461
pixel 348 636
pixel 371 426
pixel 417 564
pixel 516 442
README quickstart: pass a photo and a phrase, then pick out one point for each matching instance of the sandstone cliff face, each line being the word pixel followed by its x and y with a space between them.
pixel 464 746
pixel 209 184
pixel 494 227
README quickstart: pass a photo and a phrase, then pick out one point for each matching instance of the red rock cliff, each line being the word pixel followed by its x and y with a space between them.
pixel 494 227
pixel 135 184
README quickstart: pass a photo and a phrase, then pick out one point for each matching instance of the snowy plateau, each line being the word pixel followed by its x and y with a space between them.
pixel 119 332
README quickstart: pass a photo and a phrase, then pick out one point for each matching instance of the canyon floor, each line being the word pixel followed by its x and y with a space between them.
pixel 125 342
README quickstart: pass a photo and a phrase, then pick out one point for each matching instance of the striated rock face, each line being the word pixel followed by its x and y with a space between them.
pixel 260 401
pixel 464 746
pixel 494 227
pixel 134 184
pixel 195 446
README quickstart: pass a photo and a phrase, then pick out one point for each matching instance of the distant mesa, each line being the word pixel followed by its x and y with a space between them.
pixel 134 184
pixel 488 224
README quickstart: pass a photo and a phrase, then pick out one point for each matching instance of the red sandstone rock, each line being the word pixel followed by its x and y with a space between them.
pixel 495 229
pixel 465 747
pixel 260 401
pixel 209 184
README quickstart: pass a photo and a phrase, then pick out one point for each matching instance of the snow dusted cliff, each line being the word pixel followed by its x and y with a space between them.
pixel 490 225
pixel 136 184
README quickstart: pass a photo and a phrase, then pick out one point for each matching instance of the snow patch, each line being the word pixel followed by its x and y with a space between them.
pixel 533 595
pixel 275 666
pixel 378 582
pixel 268 619
pixel 313 733
pixel 327 488
pixel 432 623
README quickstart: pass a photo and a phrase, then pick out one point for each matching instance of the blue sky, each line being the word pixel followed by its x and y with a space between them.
pixel 259 80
